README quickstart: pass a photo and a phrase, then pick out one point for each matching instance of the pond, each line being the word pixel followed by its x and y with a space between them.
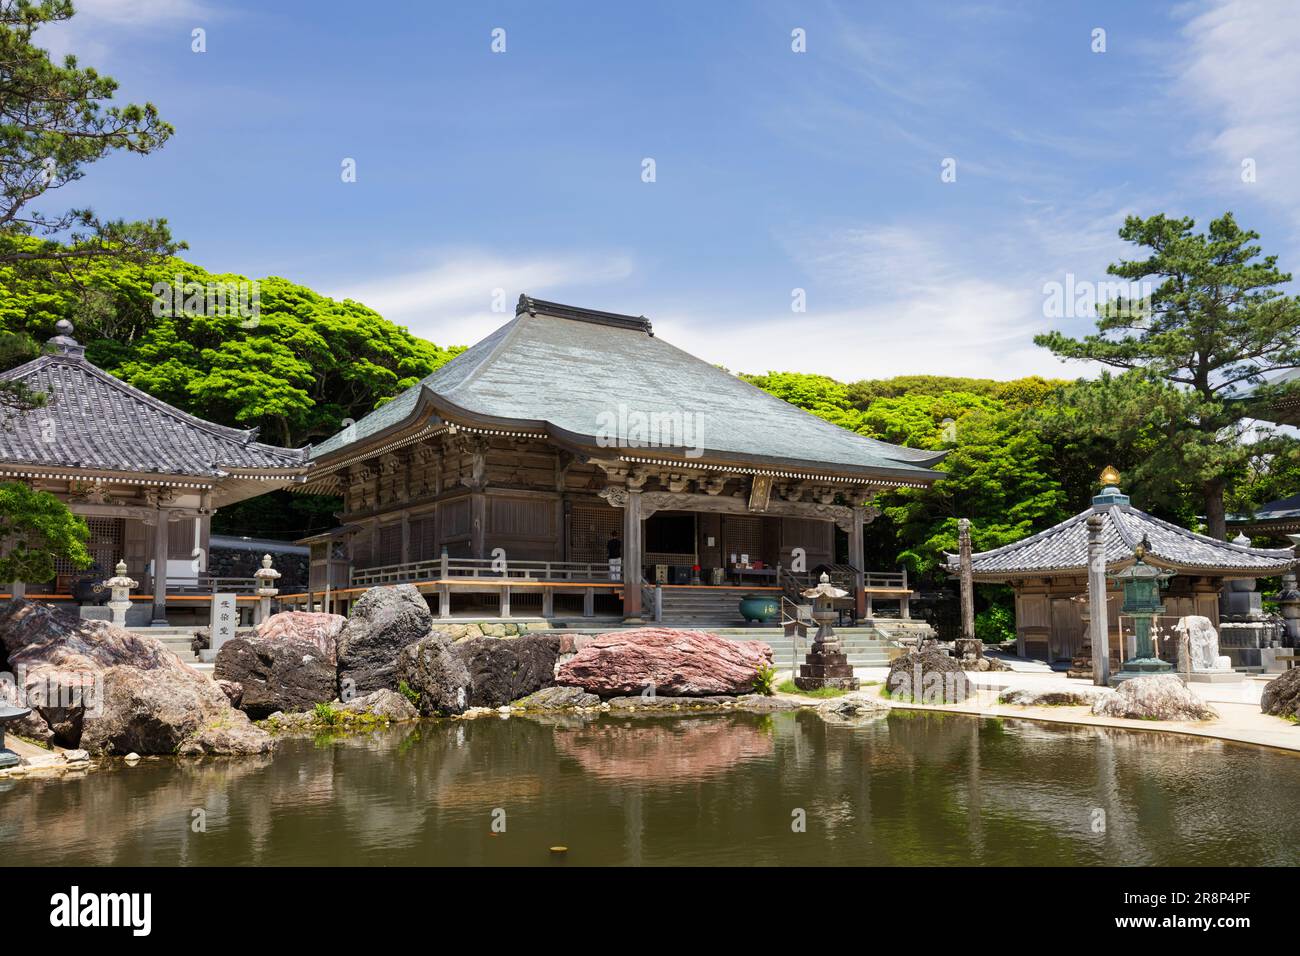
pixel 907 789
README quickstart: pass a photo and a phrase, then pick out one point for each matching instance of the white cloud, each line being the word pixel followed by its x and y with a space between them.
pixel 882 301
pixel 90 32
pixel 1241 69
pixel 451 301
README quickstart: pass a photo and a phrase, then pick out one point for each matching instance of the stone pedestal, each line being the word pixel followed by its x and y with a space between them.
pixel 825 665
pixel 1081 665
pixel 1245 642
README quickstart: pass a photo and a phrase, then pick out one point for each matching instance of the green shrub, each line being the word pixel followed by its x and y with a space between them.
pixel 326 714
pixel 995 624
pixel 404 689
pixel 765 680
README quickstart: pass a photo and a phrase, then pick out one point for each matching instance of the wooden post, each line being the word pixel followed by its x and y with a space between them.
pixel 632 557
pixel 160 570
pixel 858 559
pixel 548 603
pixel 505 600
pixel 1099 622
pixel 967 581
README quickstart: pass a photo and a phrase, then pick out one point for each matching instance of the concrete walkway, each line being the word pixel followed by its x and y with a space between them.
pixel 1240 719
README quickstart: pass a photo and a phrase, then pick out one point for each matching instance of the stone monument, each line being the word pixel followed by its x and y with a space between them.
pixel 1200 643
pixel 825 665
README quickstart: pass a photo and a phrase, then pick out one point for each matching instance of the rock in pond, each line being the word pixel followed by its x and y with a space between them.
pixel 674 663
pixel 1281 696
pixel 502 670
pixel 388 704
pixel 928 677
pixel 275 673
pixel 1156 697
pixel 429 668
pixel 322 630
pixel 852 708
pixel 382 623
pixel 111 691
pixel 558 698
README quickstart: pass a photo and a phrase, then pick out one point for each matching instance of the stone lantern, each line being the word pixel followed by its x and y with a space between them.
pixel 7 713
pixel 825 665
pixel 1141 583
pixel 121 586
pixel 1288 600
pixel 266 576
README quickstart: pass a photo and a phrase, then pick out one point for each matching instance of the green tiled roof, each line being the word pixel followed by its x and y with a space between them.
pixel 568 369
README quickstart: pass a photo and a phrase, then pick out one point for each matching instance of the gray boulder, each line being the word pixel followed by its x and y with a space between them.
pixel 1081 697
pixel 928 677
pixel 1157 697
pixel 1281 696
pixel 111 691
pixel 559 698
pixel 382 622
pixel 388 704
pixel 502 670
pixel 275 673
pixel 429 668
pixel 164 712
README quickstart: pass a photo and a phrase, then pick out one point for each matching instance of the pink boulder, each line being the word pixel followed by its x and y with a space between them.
pixel 674 663
pixel 321 630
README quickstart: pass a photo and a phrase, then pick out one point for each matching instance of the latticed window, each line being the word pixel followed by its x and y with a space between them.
pixel 424 539
pixel 590 530
pixel 388 548
pixel 107 536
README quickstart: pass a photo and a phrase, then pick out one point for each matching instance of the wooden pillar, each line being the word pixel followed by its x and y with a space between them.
pixel 1099 622
pixel 632 557
pixel 967 581
pixel 858 560
pixel 160 569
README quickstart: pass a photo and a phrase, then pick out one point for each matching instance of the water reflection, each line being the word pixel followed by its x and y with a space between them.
pixel 908 789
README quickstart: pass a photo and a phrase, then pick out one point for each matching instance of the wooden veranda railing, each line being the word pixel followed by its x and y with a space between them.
pixel 489 569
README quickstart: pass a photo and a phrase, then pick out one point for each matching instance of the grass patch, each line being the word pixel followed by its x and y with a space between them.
pixel 787 686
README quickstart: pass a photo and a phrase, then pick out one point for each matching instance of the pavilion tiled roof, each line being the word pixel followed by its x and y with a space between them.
pixel 95 421
pixel 1063 548
pixel 559 368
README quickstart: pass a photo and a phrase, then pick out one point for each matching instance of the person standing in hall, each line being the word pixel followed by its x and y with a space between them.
pixel 614 549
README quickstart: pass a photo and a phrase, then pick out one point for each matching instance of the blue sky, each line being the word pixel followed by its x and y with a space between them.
pixel 774 170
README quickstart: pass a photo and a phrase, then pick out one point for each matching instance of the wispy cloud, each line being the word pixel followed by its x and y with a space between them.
pixel 1241 73
pixel 452 301
pixel 91 32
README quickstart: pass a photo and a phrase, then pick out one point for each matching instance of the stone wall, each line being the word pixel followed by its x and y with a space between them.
pixel 231 562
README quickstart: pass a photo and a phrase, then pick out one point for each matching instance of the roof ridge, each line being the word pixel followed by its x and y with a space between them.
pixel 530 306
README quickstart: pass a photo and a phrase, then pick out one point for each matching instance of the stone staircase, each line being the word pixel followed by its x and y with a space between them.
pixel 706 607
pixel 175 639
pixel 864 646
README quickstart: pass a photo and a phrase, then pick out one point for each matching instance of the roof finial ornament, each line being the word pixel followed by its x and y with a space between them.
pixel 1109 477
pixel 63 343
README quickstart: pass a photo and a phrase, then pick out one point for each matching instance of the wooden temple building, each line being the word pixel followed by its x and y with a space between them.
pixel 145 476
pixel 503 482
pixel 1048 573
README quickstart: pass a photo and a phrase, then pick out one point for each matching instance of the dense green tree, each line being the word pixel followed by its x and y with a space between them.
pixel 276 355
pixel 291 362
pixel 1206 335
pixel 35 529
pixel 54 122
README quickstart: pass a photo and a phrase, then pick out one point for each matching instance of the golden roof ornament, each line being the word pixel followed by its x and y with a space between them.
pixel 1109 476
